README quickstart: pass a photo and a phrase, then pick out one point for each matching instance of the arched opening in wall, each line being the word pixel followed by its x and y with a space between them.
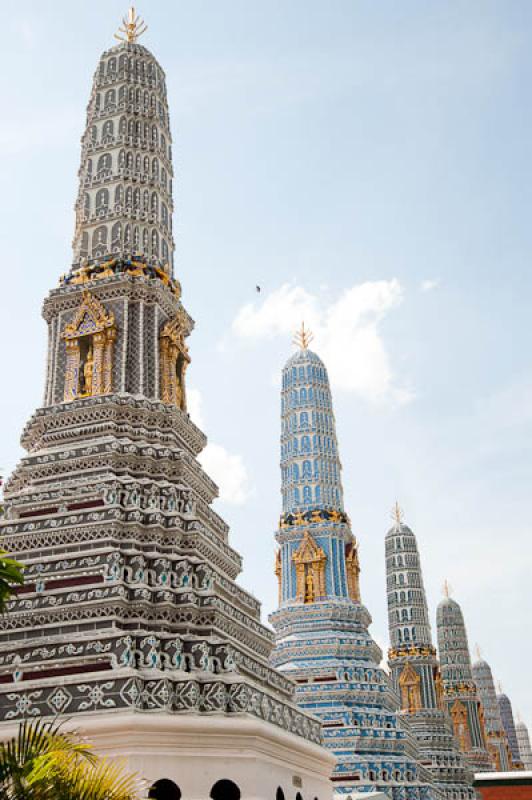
pixel 165 790
pixel 299 796
pixel 225 790
pixel 279 794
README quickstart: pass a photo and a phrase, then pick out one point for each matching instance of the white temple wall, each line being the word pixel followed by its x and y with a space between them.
pixel 196 751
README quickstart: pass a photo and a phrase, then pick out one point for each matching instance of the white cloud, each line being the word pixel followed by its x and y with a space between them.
pixel 281 312
pixel 226 469
pixel 429 285
pixel 346 331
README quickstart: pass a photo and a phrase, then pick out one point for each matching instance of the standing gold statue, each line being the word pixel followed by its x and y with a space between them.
pixel 88 369
pixel 309 594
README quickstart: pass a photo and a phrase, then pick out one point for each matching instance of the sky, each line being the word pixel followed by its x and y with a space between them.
pixel 368 166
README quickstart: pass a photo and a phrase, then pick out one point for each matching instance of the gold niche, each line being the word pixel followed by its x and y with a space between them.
pixel 89 342
pixel 309 560
pixel 409 684
pixel 461 726
pixel 353 571
pixel 174 362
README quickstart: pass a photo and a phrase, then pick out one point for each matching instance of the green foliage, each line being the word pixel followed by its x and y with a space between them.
pixel 45 763
pixel 10 573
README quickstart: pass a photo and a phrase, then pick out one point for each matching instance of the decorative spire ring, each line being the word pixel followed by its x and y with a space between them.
pixel 132 27
pixel 303 337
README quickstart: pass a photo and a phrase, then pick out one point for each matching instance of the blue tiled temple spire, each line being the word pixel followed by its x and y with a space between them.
pixel 322 637
pixel 310 464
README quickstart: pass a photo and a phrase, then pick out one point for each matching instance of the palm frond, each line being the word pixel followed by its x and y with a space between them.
pixel 10 570
pixel 43 762
pixel 10 574
pixel 83 780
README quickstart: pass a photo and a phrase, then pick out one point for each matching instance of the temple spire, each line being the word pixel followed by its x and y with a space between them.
pixel 132 27
pixel 321 625
pixel 505 708
pixel 523 740
pixel 413 663
pixel 408 614
pixel 124 204
pixel 311 467
pixel 497 740
pixel 459 689
pixel 115 400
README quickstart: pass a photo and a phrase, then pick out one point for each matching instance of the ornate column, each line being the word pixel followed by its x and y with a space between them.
pixel 279 575
pixel 71 369
pixel 98 348
pixel 353 572
pixel 108 361
pixel 300 582
pixel 183 399
pixel 172 373
pixel 173 362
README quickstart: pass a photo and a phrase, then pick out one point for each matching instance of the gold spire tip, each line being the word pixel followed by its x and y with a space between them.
pixel 446 588
pixel 303 337
pixel 478 651
pixel 397 514
pixel 132 27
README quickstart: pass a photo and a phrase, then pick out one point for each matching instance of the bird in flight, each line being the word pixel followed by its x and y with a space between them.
pixel 257 288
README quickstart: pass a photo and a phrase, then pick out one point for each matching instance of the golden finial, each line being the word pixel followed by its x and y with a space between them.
pixel 499 687
pixel 303 337
pixel 446 588
pixel 477 652
pixel 132 27
pixel 397 515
